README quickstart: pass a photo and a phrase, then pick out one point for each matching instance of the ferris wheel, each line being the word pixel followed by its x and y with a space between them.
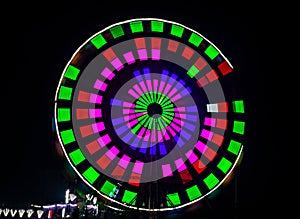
pixel 148 115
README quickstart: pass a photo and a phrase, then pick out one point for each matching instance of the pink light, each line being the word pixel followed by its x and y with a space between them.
pixel 95 98
pixel 176 127
pixel 191 156
pixel 147 136
pixel 138 167
pixel 210 122
pixel 117 64
pixel 107 73
pixel 95 113
pixel 201 147
pixel 206 134
pixel 161 86
pixel 149 84
pixel 155 54
pixel 166 169
pixel 142 54
pixel 132 123
pixel 181 116
pixel 166 90
pixel 144 88
pixel 105 139
pixel 173 91
pixel 175 98
pixel 155 84
pixel 180 164
pixel 100 85
pixel 124 161
pixel 129 105
pixel 138 89
pixel 141 133
pixel 153 135
pixel 112 153
pixel 132 93
pixel 128 111
pixel 179 122
pixel 97 127
pixel 171 131
pixel 129 57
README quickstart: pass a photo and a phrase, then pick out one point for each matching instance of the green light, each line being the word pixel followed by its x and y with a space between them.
pixel 157 26
pixel 72 72
pixel 108 188
pixel 234 147
pixel 193 192
pixel 77 156
pixel 211 52
pixel 67 136
pixel 117 31
pixel 174 198
pixel 136 128
pixel 65 93
pixel 239 127
pixel 98 41
pixel 63 114
pixel 238 106
pixel 195 39
pixel 128 197
pixel 211 181
pixel 136 26
pixel 91 175
pixel 224 165
pixel 177 30
pixel 193 71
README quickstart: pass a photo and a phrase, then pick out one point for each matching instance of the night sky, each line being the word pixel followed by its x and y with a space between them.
pixel 39 41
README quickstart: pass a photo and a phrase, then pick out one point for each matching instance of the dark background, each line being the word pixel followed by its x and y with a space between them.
pixel 39 39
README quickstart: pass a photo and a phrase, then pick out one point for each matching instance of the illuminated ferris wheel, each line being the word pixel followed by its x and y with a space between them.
pixel 147 114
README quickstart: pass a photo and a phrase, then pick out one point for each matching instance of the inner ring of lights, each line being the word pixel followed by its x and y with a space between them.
pixel 145 102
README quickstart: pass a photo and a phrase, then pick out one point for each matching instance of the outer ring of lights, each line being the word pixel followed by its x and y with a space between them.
pixel 83 103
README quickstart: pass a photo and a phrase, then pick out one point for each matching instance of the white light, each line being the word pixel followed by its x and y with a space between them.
pixel 5 212
pixel 67 196
pixel 29 212
pixel 39 213
pixel 13 212
pixel 89 197
pixel 0 211
pixel 72 197
pixel 94 200
pixel 21 212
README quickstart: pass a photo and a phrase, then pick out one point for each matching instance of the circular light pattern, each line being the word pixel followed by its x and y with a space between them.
pixel 145 115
